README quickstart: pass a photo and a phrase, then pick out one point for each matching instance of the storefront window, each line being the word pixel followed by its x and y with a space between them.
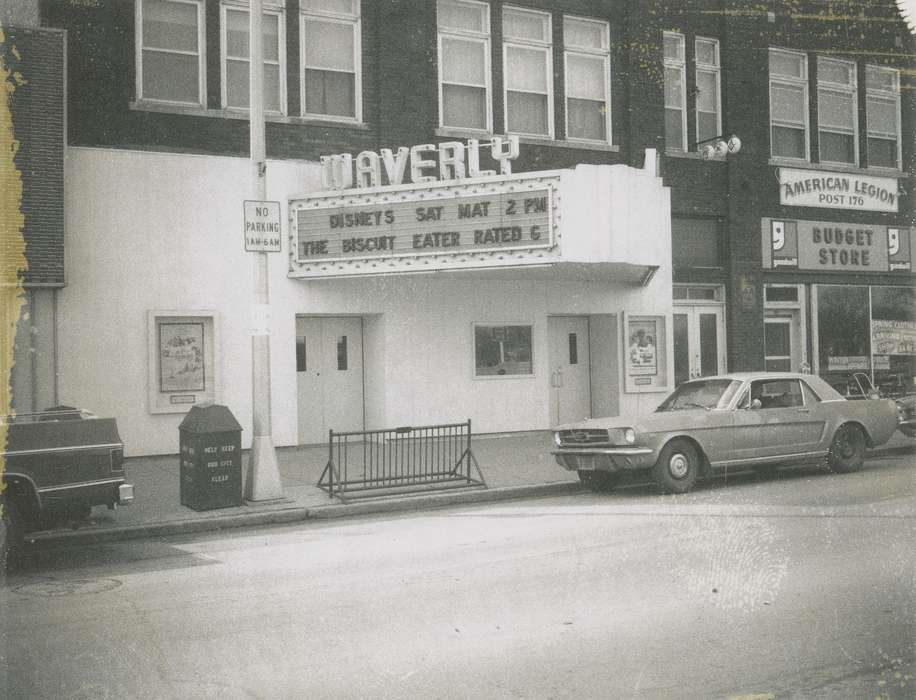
pixel 893 326
pixel 502 350
pixel 868 330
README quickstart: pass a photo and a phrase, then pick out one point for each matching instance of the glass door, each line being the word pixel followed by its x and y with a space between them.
pixel 777 344
pixel 699 342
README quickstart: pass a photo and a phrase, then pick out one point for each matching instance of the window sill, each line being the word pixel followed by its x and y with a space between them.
pixel 531 140
pixel 190 110
pixel 690 155
pixel 837 168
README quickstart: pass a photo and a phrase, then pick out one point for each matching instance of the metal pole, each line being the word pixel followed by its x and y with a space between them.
pixel 263 482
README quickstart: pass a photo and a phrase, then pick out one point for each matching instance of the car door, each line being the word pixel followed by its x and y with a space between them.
pixel 788 425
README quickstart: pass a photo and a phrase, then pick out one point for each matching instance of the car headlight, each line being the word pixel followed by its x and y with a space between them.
pixel 629 435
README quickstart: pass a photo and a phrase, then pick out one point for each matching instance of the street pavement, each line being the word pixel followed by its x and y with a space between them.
pixel 515 465
pixel 799 586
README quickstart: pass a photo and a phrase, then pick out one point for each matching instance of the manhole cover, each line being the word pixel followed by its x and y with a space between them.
pixel 57 589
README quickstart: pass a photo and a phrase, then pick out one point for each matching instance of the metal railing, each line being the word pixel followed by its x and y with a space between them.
pixel 410 458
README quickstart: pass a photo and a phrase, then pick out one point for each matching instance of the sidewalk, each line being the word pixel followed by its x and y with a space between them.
pixel 518 465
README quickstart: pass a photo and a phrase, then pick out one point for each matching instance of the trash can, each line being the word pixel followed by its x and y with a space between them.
pixel 210 441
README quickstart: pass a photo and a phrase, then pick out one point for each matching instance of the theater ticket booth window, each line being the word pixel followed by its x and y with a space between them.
pixel 868 329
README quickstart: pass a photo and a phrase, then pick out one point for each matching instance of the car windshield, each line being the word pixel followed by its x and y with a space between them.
pixel 705 394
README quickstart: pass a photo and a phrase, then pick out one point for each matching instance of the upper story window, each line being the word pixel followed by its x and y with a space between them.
pixel 528 72
pixel 331 59
pixel 882 114
pixel 836 111
pixel 464 64
pixel 587 60
pixel 235 57
pixel 170 51
pixel 788 104
pixel 708 95
pixel 675 92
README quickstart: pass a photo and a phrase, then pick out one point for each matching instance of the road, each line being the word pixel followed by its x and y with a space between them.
pixel 799 586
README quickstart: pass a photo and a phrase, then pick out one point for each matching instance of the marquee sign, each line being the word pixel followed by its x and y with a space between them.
pixel 837 190
pixel 413 223
pixel 830 245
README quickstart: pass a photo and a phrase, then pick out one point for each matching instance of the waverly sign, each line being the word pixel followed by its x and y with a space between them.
pixel 449 160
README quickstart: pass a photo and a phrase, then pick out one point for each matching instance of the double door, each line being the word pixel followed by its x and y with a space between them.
pixel 699 341
pixel 329 376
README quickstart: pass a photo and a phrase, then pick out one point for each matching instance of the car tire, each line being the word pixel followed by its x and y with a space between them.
pixel 599 481
pixel 677 468
pixel 908 431
pixel 847 449
pixel 13 534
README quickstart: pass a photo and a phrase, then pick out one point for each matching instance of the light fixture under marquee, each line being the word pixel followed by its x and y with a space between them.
pixel 719 147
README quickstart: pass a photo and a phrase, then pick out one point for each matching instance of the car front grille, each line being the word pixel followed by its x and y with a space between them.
pixel 585 436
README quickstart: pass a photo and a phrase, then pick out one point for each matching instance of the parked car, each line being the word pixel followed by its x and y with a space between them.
pixel 58 464
pixel 860 386
pixel 760 419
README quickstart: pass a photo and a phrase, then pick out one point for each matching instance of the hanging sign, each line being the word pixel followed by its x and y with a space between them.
pixel 262 226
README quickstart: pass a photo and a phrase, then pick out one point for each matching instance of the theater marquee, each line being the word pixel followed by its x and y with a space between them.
pixel 445 221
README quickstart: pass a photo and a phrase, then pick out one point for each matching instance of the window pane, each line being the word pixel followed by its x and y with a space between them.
pixel 787 64
pixel 835 72
pixel 787 103
pixel 301 365
pixel 463 62
pixel 707 126
pixel 526 112
pixel 342 353
pixel 236 34
pixel 880 78
pixel 328 45
pixel 707 91
pixel 586 35
pixel 347 7
pixel 525 25
pixel 781 293
pixel 843 333
pixel 674 94
pixel 681 349
pixel 674 129
pixel 464 107
pixel 237 82
pixel 776 339
pixel 526 69
pixel 171 77
pixel 674 48
pixel 466 17
pixel 272 88
pixel 835 109
pixel 169 25
pixel 586 119
pixel 837 147
pixel 882 116
pixel 329 92
pixel 573 349
pixel 788 142
pixel 502 350
pixel 270 37
pixel 706 53
pixel 709 345
pixel 784 365
pixel 585 77
pixel 882 152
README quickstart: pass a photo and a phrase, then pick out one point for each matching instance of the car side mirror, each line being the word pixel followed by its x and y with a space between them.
pixel 756 403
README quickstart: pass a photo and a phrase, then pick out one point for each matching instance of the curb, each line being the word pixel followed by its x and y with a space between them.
pixel 299 514
pixel 294 514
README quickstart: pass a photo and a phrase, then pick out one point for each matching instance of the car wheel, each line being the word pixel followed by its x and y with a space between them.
pixel 847 450
pixel 599 481
pixel 908 431
pixel 677 468
pixel 13 533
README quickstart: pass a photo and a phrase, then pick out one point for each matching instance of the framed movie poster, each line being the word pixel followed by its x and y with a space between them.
pixel 645 349
pixel 182 360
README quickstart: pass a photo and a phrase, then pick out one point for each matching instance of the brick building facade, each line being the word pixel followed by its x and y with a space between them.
pixel 813 93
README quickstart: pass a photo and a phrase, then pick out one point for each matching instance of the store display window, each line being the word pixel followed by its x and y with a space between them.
pixel 867 330
pixel 502 351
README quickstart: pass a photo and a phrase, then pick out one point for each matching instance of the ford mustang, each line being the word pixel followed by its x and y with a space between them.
pixel 760 419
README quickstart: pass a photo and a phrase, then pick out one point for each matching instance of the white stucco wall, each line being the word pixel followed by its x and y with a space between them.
pixel 164 231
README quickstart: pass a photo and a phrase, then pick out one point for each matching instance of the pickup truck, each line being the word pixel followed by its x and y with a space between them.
pixel 57 464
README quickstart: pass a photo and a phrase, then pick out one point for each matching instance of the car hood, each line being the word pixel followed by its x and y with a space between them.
pixel 651 422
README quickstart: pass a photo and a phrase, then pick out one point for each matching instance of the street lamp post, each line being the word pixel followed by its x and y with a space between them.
pixel 263 475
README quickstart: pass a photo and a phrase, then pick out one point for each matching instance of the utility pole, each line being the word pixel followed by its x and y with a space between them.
pixel 263 477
